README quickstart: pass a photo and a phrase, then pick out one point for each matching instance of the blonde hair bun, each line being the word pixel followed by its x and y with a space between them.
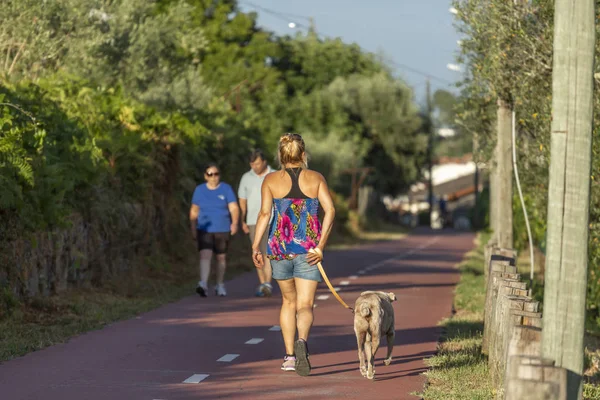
pixel 292 150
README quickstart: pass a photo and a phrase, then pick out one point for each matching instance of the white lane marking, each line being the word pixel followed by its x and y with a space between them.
pixel 337 289
pixel 228 357
pixel 254 341
pixel 353 277
pixel 323 297
pixel 196 378
pixel 315 305
pixel 399 257
pixel 275 328
pixel 344 283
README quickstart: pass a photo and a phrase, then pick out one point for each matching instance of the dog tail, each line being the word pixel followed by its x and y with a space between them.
pixel 365 311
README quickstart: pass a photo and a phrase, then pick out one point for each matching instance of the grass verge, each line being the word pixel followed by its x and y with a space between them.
pixel 42 322
pixel 459 371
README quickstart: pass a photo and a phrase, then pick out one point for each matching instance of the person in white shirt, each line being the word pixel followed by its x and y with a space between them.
pixel 250 202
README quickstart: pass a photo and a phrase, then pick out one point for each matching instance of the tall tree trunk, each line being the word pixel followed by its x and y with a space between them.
pixel 569 188
pixel 504 183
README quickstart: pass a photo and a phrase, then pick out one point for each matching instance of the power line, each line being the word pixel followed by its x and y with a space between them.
pixel 282 16
pixel 274 12
pixel 285 17
pixel 416 71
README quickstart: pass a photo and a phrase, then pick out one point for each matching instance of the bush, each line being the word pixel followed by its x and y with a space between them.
pixel 93 181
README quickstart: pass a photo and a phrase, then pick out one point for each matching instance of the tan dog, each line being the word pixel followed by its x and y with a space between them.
pixel 373 318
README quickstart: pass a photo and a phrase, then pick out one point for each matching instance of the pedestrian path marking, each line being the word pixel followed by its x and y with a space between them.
pixel 228 357
pixel 196 378
pixel 275 328
pixel 344 283
pixel 400 256
pixel 255 341
pixel 323 297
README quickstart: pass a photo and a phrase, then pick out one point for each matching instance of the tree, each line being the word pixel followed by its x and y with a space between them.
pixel 444 103
pixel 154 56
pixel 37 36
pixel 378 122
pixel 506 53
pixel 308 63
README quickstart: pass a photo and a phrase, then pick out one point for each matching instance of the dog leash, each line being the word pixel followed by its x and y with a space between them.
pixel 324 275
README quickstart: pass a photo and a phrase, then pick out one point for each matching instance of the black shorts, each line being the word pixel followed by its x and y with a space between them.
pixel 218 242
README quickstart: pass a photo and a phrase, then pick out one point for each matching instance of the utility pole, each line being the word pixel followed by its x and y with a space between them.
pixel 476 180
pixel 504 177
pixel 569 188
pixel 430 148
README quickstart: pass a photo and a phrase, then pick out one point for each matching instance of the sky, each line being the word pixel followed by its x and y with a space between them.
pixel 416 35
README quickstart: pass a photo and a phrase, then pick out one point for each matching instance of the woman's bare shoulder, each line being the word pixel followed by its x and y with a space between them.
pixel 314 175
pixel 272 177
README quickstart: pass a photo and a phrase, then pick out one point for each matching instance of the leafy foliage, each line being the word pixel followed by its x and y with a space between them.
pixel 507 51
pixel 109 111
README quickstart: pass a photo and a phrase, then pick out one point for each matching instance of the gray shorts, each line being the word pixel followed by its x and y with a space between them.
pixel 263 241
pixel 297 267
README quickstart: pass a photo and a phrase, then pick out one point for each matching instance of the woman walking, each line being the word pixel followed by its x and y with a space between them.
pixel 294 194
pixel 214 218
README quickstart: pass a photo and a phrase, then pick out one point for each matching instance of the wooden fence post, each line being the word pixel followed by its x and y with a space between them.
pixel 531 377
pixel 525 340
pixel 512 373
pixel 494 253
pixel 487 255
pixel 510 300
pixel 519 317
pixel 525 389
pixel 498 270
pixel 490 311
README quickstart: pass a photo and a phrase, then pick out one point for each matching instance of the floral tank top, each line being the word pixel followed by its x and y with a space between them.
pixel 295 226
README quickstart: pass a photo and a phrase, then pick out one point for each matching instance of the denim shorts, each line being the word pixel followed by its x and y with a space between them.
pixel 297 267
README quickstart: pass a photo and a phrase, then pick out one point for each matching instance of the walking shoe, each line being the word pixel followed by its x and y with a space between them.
pixel 202 289
pixel 289 363
pixel 220 290
pixel 266 289
pixel 259 291
pixel 302 361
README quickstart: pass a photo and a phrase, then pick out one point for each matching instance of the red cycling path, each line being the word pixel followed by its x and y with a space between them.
pixel 208 341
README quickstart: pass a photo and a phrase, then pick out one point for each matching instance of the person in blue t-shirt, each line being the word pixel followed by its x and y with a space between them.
pixel 214 217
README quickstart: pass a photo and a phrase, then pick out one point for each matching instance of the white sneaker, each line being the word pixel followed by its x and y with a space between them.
pixel 266 289
pixel 220 290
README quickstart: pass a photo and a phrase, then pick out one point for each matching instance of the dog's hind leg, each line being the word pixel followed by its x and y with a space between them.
pixel 391 335
pixel 374 347
pixel 360 339
pixel 368 366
